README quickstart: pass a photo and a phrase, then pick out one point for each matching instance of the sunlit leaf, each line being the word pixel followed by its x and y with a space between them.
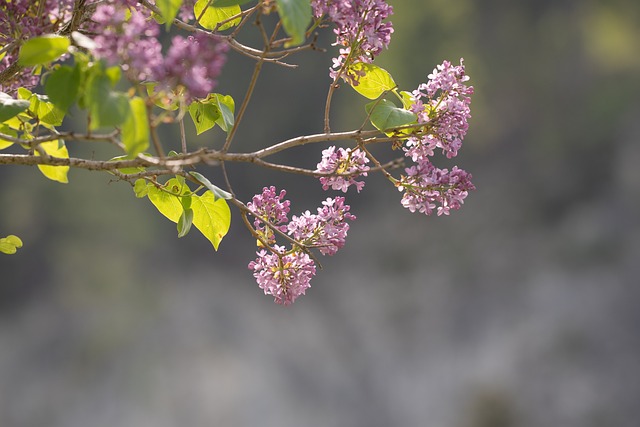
pixel 169 9
pixel 135 130
pixel 140 188
pixel 6 130
pixel 10 244
pixel 55 149
pixel 42 50
pixel 374 82
pixel 225 3
pixel 214 16
pixel 226 105
pixel 211 216
pixel 204 114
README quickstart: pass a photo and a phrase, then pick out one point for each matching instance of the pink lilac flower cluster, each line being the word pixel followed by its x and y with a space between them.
pixel 131 42
pixel 272 207
pixel 348 163
pixel 427 187
pixel 285 274
pixel 21 20
pixel 326 230
pixel 361 30
pixel 442 105
pixel 192 63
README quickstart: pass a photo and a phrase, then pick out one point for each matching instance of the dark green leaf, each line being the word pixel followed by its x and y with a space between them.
pixel 184 223
pixel 296 17
pixel 107 107
pixel 10 107
pixel 217 192
pixel 62 86
pixel 384 115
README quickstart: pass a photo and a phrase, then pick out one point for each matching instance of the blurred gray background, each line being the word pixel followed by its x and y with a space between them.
pixel 522 309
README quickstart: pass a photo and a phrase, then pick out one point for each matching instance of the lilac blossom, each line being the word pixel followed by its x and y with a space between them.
pixel 443 104
pixel 346 162
pixel 272 207
pixel 283 275
pixel 326 230
pixel 361 31
pixel 427 188
pixel 286 274
pixel 132 42
pixel 193 63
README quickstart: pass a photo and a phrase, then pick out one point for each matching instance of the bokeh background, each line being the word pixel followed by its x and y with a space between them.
pixel 522 309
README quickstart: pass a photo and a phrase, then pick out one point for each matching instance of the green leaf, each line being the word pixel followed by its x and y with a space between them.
pixel 296 17
pixel 140 188
pixel 212 217
pixel 10 244
pixel 10 107
pixel 226 105
pixel 167 203
pixel 218 193
pixel 42 50
pixel 107 107
pixel 6 130
pixel 62 86
pixel 204 114
pixel 184 223
pixel 135 130
pixel 169 9
pixel 215 15
pixel 55 149
pixel 407 99
pixel 226 3
pixel 47 112
pixel 374 82
pixel 384 115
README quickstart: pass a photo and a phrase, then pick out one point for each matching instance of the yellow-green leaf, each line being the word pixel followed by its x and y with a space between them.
pixel 374 82
pixel 42 49
pixel 55 149
pixel 211 216
pixel 10 244
pixel 213 16
pixel 6 130
pixel 135 131
pixel 167 203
